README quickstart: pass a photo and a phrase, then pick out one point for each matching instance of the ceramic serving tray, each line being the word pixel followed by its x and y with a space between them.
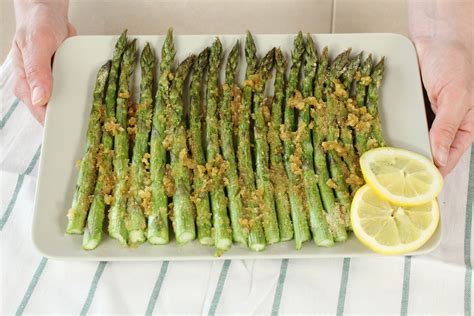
pixel 74 70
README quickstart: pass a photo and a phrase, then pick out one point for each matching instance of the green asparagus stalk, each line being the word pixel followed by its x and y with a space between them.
pixel 104 185
pixel 373 102
pixel 362 129
pixel 300 222
pixel 362 80
pixel 222 230
pixel 335 217
pixel 278 174
pixel 257 240
pixel 158 230
pixel 201 195
pixel 349 74
pixel 88 171
pixel 337 167
pixel 236 207
pixel 264 185
pixel 183 212
pixel 321 74
pixel 342 92
pixel 117 214
pixel 319 227
pixel 138 205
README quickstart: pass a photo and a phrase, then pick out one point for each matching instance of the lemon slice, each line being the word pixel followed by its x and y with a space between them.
pixel 390 229
pixel 401 176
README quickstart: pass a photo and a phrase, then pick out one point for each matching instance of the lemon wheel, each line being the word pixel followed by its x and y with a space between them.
pixel 392 229
pixel 401 176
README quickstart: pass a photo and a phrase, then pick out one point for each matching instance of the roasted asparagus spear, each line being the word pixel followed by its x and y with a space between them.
pixel 105 182
pixel 158 230
pixel 222 230
pixel 139 199
pixel 117 214
pixel 232 96
pixel 277 167
pixel 183 209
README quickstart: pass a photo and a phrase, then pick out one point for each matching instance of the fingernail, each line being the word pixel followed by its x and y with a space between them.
pixel 38 96
pixel 442 156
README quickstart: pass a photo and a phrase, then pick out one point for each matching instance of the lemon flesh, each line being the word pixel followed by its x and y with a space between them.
pixel 392 229
pixel 401 176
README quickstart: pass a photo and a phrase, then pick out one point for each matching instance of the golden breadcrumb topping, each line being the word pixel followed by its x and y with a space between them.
pixel 185 160
pixel 111 126
pixel 297 101
pixel 168 182
pixel 354 179
pixel 266 104
pixel 235 106
pixel 372 143
pixel 108 199
pixel 352 120
pixel 366 80
pixel 357 75
pixel 339 90
pixel 167 142
pixel 335 145
pixel 330 183
pixel 145 196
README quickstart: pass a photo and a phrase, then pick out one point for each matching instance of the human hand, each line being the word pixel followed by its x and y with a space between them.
pixel 447 72
pixel 41 27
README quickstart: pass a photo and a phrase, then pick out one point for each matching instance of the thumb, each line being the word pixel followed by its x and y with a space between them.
pixel 37 64
pixel 445 126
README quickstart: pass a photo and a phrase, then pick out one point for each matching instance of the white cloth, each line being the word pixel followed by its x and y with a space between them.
pixel 438 283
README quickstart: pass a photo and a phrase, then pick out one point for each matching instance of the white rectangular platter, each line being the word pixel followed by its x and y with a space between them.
pixel 74 70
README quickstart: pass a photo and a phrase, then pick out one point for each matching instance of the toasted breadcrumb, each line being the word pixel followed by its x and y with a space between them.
pixel 366 80
pixel 185 160
pixel 339 90
pixel 372 143
pixel 235 106
pixel 146 160
pixel 352 120
pixel 108 199
pixel 145 196
pixel 354 179
pixel 312 101
pixel 340 214
pixel 111 126
pixel 267 102
pixel 297 101
pixel 168 182
pixel 334 145
pixel 256 80
pixel 167 142
pixel 330 183
pixel 357 75
pixel 132 131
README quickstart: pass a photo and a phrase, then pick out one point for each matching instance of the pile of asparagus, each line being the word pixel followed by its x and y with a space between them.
pixel 228 163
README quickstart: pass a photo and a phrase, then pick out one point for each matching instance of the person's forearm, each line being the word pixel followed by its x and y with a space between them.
pixel 443 19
